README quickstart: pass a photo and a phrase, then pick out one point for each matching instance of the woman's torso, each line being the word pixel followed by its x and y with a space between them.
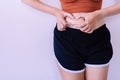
pixel 76 6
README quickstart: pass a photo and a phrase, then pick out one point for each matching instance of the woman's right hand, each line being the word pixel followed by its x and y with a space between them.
pixel 61 19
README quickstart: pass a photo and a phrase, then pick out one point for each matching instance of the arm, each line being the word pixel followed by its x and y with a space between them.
pixel 100 14
pixel 41 6
pixel 93 17
pixel 59 14
pixel 112 10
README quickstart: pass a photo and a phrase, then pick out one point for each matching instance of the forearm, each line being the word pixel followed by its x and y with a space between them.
pixel 41 6
pixel 112 10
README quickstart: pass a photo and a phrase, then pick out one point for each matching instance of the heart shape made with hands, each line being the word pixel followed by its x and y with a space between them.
pixel 86 22
pixel 75 22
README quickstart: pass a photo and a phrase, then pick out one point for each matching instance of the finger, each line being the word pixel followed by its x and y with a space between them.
pixel 63 23
pixel 91 28
pixel 91 31
pixel 64 26
pixel 60 26
pixel 83 24
pixel 88 30
pixel 84 28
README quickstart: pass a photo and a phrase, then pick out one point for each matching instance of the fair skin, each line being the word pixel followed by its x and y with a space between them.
pixel 86 22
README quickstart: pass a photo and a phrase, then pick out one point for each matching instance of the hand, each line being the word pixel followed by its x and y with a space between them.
pixel 89 25
pixel 61 22
pixel 73 23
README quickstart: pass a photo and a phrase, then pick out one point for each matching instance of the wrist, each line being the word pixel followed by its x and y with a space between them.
pixel 56 12
pixel 99 13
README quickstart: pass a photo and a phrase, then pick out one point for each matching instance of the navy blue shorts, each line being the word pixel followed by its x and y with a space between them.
pixel 75 49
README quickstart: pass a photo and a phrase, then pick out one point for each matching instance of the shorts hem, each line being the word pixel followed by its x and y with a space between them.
pixel 96 65
pixel 67 70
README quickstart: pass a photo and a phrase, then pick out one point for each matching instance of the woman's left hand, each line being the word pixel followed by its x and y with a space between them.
pixel 90 20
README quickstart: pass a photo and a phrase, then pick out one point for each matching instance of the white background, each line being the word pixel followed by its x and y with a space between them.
pixel 26 42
